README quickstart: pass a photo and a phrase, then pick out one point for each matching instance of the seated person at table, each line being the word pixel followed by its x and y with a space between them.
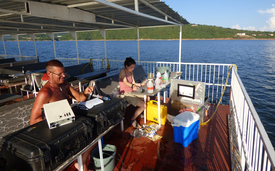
pixel 127 84
pixel 54 90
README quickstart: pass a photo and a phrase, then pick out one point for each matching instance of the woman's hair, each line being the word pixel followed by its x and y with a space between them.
pixel 129 61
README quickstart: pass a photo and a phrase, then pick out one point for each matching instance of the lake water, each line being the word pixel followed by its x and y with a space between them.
pixel 255 60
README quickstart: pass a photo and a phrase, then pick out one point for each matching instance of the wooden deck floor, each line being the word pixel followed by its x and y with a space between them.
pixel 209 152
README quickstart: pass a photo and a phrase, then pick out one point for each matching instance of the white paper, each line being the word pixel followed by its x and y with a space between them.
pixel 91 103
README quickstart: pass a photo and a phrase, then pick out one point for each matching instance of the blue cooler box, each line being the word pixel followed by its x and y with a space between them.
pixel 186 127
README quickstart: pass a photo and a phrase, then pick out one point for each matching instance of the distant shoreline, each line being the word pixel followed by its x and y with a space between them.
pixel 157 39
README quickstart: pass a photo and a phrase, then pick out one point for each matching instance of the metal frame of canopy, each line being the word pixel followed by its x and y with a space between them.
pixel 32 18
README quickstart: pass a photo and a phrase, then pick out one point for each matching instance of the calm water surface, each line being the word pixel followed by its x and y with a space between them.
pixel 255 60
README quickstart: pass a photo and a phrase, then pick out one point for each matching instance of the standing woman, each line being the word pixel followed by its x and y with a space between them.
pixel 127 84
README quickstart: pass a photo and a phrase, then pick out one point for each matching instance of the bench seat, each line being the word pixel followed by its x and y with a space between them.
pixel 4 98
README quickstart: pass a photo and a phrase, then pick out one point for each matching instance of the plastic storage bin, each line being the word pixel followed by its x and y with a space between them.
pixel 186 127
pixel 109 152
pixel 152 112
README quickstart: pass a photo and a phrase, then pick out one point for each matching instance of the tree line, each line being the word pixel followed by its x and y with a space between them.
pixel 189 31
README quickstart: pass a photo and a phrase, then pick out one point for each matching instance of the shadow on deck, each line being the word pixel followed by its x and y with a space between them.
pixel 209 152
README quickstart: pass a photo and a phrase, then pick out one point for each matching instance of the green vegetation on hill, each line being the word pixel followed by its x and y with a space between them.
pixel 190 31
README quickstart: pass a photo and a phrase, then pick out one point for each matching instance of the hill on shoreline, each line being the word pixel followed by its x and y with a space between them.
pixel 189 32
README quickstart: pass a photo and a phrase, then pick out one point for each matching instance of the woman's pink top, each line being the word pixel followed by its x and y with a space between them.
pixel 124 88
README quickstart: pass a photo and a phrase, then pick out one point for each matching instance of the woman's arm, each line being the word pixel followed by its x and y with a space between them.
pixel 124 79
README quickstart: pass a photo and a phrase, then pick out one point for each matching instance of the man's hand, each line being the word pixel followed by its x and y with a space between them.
pixel 89 90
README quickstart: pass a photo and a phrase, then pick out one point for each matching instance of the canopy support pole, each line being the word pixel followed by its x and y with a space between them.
pixel 103 33
pixel 76 41
pixel 4 46
pixel 74 34
pixel 138 46
pixel 33 38
pixel 15 36
pixel 105 44
pixel 54 46
pixel 34 41
pixel 180 48
pixel 51 35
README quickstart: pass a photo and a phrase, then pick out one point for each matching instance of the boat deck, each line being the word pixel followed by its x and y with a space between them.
pixel 209 152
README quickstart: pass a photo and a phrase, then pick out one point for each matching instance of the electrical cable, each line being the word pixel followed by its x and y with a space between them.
pixel 205 123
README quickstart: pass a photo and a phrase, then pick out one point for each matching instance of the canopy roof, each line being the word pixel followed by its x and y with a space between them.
pixel 42 16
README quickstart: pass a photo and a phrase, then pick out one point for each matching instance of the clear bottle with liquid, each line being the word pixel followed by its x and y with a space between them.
pixel 150 86
pixel 165 76
pixel 157 81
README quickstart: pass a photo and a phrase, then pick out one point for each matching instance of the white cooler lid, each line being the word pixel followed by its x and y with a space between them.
pixel 185 119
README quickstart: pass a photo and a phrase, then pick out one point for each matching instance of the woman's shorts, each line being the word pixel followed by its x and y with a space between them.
pixel 132 100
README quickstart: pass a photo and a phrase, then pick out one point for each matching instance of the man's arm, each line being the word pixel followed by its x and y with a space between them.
pixel 81 97
pixel 36 115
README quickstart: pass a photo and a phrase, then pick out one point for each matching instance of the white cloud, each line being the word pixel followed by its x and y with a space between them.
pixel 271 20
pixel 237 26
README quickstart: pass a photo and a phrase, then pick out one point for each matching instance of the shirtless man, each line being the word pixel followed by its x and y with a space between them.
pixel 54 90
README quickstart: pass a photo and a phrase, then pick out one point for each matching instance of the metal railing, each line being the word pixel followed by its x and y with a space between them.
pixel 20 58
pixel 256 150
pixel 213 75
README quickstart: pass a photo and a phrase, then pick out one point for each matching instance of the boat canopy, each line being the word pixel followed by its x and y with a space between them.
pixel 48 16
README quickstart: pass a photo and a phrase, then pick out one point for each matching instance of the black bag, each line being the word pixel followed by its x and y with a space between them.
pixel 38 148
pixel 104 115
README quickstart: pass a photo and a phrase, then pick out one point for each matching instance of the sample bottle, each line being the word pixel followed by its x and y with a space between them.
pixel 165 76
pixel 157 81
pixel 150 86
pixel 23 70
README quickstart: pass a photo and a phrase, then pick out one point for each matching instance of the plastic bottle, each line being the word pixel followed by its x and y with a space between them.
pixel 165 76
pixel 23 70
pixel 150 86
pixel 100 97
pixel 157 81
pixel 115 93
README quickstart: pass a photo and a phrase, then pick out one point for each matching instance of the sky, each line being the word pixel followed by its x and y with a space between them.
pixel 258 15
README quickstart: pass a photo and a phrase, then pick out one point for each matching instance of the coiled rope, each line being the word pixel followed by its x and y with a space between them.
pixel 91 66
pixel 108 66
pixel 205 123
